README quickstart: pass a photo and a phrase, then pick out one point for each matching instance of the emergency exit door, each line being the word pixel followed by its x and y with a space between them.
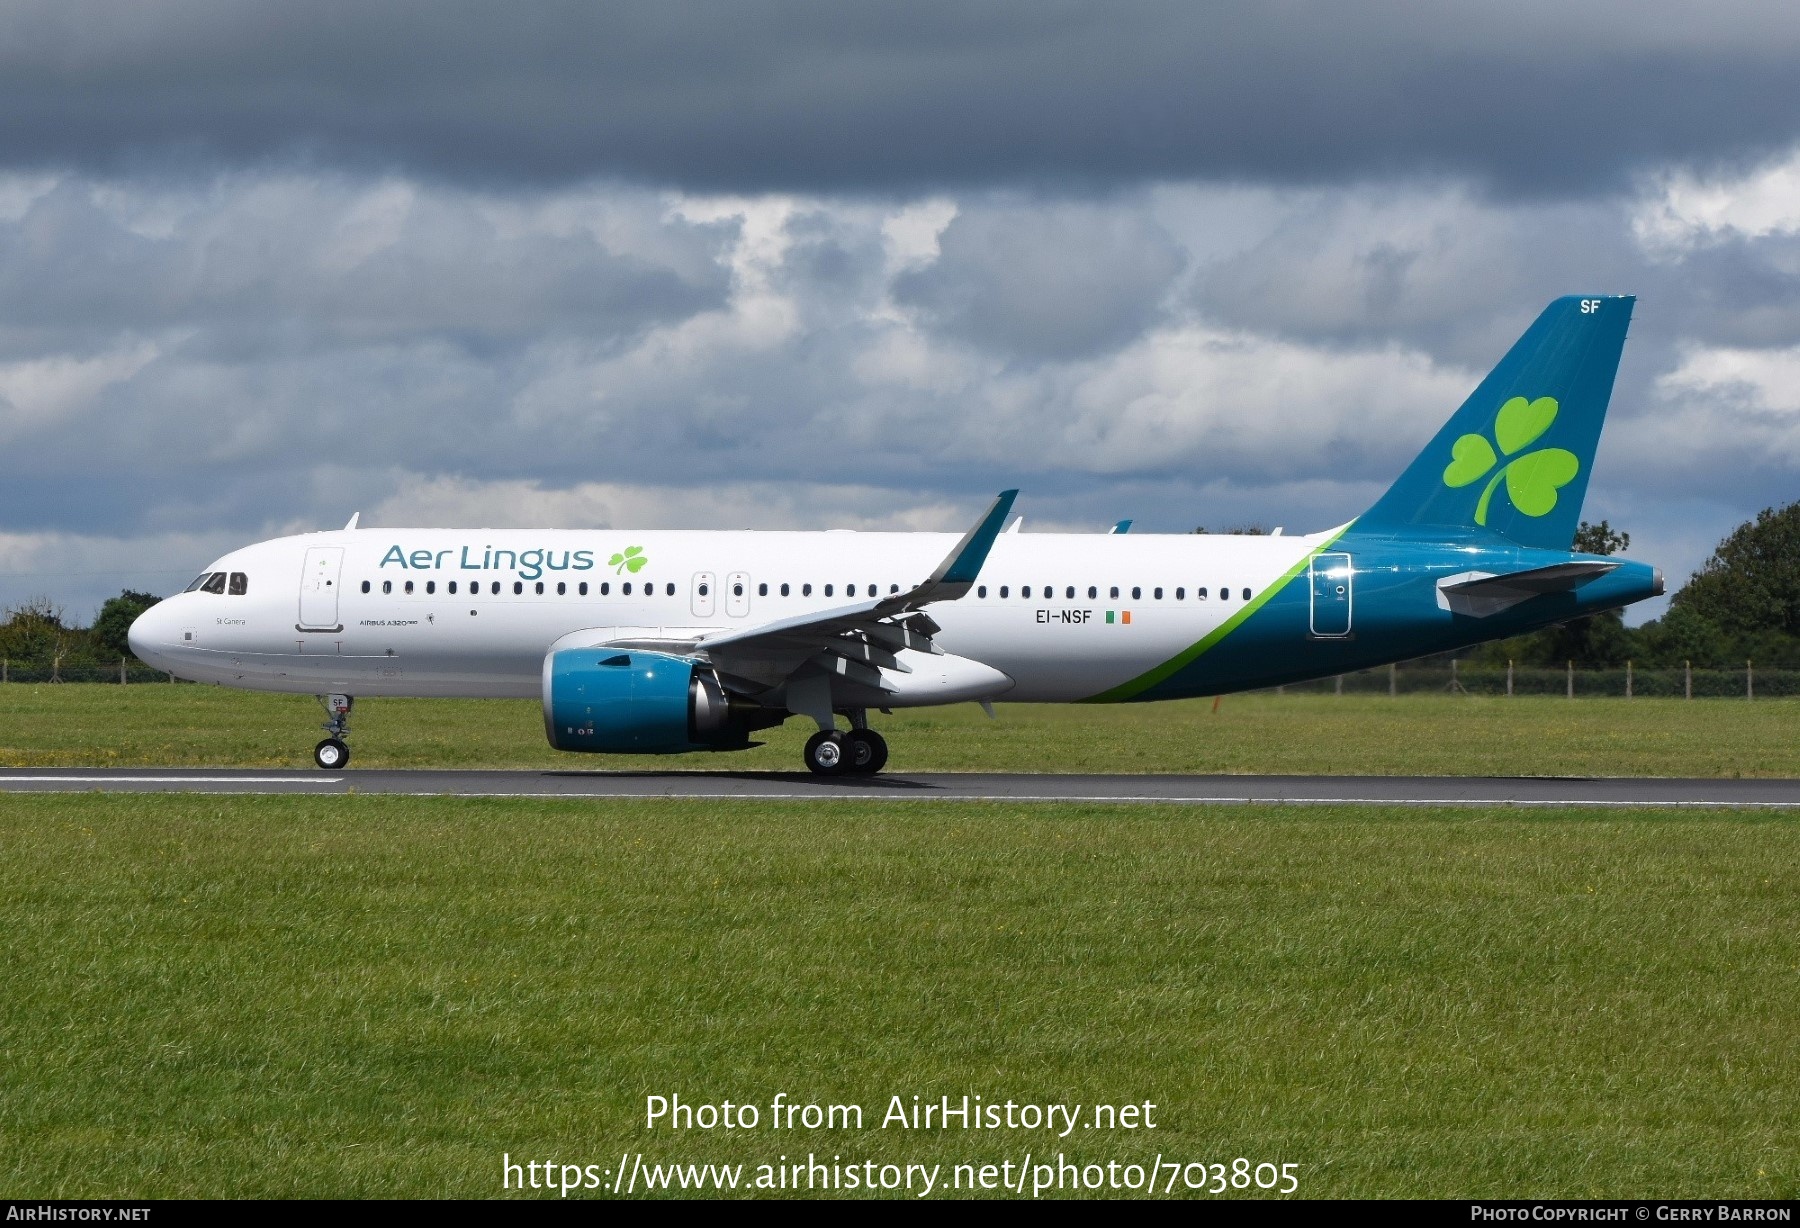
pixel 705 599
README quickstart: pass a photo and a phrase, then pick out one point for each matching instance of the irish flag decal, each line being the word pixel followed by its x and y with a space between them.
pixel 1119 616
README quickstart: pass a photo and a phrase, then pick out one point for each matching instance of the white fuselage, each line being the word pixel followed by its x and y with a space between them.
pixel 423 612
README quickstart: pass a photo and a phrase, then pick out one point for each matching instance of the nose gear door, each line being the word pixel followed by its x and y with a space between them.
pixel 319 588
pixel 1331 595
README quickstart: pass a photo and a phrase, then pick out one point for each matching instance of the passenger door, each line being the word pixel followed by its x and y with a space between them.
pixel 1331 595
pixel 319 588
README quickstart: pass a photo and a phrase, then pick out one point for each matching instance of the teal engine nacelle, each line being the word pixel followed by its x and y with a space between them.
pixel 635 703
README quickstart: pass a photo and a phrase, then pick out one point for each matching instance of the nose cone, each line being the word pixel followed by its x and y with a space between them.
pixel 152 635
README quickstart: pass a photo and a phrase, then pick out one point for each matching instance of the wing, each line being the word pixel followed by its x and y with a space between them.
pixel 856 642
pixel 839 651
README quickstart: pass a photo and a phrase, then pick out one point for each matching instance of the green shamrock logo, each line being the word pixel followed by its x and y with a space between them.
pixel 1532 479
pixel 631 560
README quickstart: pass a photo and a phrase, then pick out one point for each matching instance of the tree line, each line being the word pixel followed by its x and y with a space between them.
pixel 1743 604
pixel 37 633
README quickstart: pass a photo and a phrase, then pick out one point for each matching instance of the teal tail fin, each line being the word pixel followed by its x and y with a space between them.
pixel 1515 459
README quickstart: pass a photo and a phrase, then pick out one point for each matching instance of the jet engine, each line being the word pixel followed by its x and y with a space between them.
pixel 642 703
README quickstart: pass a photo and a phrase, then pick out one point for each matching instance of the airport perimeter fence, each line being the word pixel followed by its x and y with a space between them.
pixel 1744 682
pixel 1625 682
pixel 117 672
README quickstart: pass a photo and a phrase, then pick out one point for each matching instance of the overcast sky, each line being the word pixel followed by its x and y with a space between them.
pixel 827 265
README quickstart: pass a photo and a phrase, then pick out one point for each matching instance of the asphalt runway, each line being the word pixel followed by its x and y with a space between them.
pixel 929 786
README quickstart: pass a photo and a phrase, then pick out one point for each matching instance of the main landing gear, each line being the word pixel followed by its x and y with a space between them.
pixel 860 752
pixel 332 753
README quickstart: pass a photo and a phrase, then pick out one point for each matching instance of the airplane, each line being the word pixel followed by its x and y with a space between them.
pixel 666 642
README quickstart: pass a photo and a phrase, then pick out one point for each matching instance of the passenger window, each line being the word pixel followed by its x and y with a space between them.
pixel 582 588
pixel 1003 590
pixel 387 586
pixel 518 587
pixel 625 588
pixel 1246 594
pixel 669 589
pixel 737 590
pixel 893 588
pixel 431 586
pixel 1180 593
pixel 495 591
pixel 409 588
pixel 1224 594
pixel 240 584
pixel 540 588
pixel 784 590
pixel 806 590
pixel 1092 592
pixel 703 590
pixel 1156 593
pixel 561 588
pixel 1069 595
pixel 1136 592
pixel 365 586
pixel 981 590
pixel 452 587
pixel 1199 594
pixel 828 590
pixel 1115 592
pixel 849 590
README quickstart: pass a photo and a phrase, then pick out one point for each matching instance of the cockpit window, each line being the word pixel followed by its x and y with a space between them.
pixel 240 584
pixel 215 583
pixel 200 579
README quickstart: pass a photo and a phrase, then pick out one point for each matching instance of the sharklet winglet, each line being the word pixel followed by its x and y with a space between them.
pixel 960 567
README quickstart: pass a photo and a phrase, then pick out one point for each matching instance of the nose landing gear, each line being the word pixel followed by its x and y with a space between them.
pixel 332 753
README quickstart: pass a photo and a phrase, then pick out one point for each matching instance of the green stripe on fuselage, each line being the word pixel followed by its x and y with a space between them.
pixel 1174 665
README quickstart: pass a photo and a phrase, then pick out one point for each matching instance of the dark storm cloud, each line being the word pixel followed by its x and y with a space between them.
pixel 1046 280
pixel 324 260
pixel 1537 97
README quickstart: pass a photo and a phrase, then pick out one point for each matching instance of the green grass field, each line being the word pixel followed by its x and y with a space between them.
pixel 379 996
pixel 162 725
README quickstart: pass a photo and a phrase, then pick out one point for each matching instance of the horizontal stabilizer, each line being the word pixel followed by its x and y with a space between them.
pixel 1481 594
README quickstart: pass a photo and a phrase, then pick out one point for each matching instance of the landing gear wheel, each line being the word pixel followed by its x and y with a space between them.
pixel 332 754
pixel 868 752
pixel 827 753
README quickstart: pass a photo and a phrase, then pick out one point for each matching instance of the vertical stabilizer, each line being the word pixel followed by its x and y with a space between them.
pixel 1515 459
